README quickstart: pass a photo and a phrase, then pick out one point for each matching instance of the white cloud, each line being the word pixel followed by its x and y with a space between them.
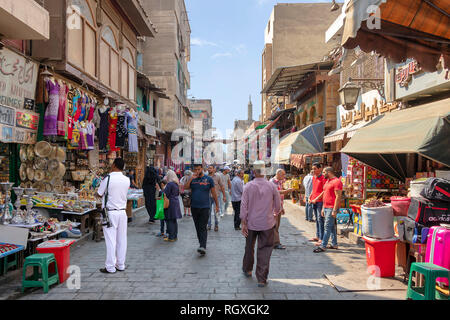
pixel 241 49
pixel 201 43
pixel 222 55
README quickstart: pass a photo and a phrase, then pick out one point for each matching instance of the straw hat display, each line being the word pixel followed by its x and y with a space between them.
pixel 23 172
pixel 53 165
pixel 39 175
pixel 30 173
pixel 30 152
pixel 60 154
pixel 23 155
pixel 43 149
pixel 41 163
pixel 60 171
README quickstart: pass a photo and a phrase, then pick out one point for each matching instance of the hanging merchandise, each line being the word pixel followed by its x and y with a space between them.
pixel 51 113
pixel 104 128
pixel 121 129
pixel 112 130
pixel 61 123
pixel 132 119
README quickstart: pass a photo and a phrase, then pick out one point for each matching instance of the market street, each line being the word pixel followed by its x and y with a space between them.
pixel 174 271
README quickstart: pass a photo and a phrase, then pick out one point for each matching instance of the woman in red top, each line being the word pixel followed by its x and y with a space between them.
pixel 316 201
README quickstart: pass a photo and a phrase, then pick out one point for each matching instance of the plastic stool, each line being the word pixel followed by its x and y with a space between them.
pixel 430 272
pixel 44 280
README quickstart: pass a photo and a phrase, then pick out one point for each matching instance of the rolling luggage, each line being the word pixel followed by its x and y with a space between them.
pixel 436 189
pixel 438 249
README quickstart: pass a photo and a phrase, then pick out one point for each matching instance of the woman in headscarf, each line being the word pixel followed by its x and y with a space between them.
pixel 172 192
pixel 151 179
pixel 186 194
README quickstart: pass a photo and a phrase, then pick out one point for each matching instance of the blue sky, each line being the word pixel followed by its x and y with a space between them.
pixel 227 41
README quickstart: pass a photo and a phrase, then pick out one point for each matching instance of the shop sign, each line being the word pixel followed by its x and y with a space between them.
pixel 150 130
pixel 25 136
pixel 404 74
pixel 7 116
pixel 18 78
pixel 27 120
pixel 6 134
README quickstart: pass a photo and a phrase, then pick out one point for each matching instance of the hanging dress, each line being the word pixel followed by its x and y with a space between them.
pixel 51 113
pixel 84 104
pixel 103 130
pixel 72 113
pixel 132 120
pixel 91 110
pixel 61 128
pixel 121 130
pixel 112 132
pixel 90 135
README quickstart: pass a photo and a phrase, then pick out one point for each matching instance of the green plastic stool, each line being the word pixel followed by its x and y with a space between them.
pixel 430 272
pixel 6 265
pixel 44 279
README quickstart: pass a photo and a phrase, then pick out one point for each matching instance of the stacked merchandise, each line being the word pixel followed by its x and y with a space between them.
pixel 4 163
pixel 378 230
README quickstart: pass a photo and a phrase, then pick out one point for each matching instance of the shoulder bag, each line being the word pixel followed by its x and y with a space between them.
pixel 105 216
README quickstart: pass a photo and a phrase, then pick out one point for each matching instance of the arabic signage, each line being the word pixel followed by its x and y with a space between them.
pixel 7 116
pixel 411 82
pixel 18 78
pixel 404 74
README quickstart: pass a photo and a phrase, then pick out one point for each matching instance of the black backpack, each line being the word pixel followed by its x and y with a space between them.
pixel 436 189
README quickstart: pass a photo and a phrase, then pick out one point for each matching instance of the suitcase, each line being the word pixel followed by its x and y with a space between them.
pixel 436 189
pixel 438 249
pixel 429 213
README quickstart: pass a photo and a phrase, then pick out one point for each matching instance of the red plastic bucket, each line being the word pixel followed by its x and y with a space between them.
pixel 61 250
pixel 400 206
pixel 380 256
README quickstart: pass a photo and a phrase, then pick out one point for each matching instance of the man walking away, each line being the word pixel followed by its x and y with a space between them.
pixel 278 181
pixel 332 195
pixel 219 191
pixel 115 186
pixel 237 187
pixel 260 205
pixel 226 181
pixel 307 183
pixel 201 186
pixel 316 201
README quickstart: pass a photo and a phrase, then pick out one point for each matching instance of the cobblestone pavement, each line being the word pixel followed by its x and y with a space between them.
pixel 162 270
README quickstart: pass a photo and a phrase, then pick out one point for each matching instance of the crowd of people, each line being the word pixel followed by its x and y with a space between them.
pixel 205 194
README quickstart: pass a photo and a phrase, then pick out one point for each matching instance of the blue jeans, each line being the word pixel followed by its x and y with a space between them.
pixel 226 202
pixel 213 212
pixel 308 210
pixel 330 229
pixel 317 209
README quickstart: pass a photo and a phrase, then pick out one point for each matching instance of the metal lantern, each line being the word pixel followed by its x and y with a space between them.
pixel 349 95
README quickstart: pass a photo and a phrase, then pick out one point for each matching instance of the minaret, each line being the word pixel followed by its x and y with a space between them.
pixel 250 110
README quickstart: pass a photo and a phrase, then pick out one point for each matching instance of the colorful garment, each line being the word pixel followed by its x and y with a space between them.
pixel 75 140
pixel 77 102
pixel 112 131
pixel 91 110
pixel 103 130
pixel 72 113
pixel 121 130
pixel 51 113
pixel 84 104
pixel 61 127
pixel 83 138
pixel 132 120
pixel 90 136
pixel 68 112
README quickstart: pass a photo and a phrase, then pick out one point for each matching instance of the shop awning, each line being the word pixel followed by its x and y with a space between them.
pixel 286 80
pixel 416 29
pixel 308 140
pixel 349 130
pixel 385 142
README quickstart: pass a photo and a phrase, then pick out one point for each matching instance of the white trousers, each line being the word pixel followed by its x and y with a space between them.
pixel 116 241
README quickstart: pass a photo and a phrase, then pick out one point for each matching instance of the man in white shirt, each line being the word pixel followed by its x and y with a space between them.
pixel 226 181
pixel 237 188
pixel 116 204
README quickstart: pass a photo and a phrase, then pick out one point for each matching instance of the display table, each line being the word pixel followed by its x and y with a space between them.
pixel 83 217
pixel 15 252
pixel 29 226
pixel 34 242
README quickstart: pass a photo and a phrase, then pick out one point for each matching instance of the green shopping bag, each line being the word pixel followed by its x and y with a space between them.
pixel 160 209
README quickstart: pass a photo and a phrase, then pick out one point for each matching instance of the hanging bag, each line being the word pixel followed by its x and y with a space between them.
pixel 166 202
pixel 105 216
pixel 160 208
